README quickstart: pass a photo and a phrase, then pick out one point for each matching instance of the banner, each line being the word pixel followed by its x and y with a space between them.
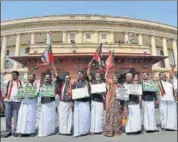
pixel 27 92
pixel 150 86
pixel 80 93
pixel 122 94
pixel 47 91
pixel 134 89
pixel 98 88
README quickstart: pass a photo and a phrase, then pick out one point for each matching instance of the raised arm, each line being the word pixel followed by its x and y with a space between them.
pixel 106 79
pixel 55 70
pixel 89 71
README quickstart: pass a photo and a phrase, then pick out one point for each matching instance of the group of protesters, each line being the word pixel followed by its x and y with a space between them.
pixel 88 113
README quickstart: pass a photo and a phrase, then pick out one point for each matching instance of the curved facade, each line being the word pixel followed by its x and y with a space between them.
pixel 23 40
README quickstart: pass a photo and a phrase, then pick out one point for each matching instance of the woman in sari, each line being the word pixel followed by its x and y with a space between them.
pixel 114 109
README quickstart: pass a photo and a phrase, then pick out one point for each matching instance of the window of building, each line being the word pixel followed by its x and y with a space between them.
pixel 88 35
pixel 7 53
pixel 72 36
pixel 160 53
pixel 103 35
pixel 27 50
pixel 133 38
pixel 171 56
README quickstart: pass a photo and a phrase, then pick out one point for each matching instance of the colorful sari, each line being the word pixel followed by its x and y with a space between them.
pixel 114 113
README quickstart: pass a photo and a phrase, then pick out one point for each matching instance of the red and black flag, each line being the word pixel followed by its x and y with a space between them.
pixel 98 54
pixel 98 57
pixel 110 61
pixel 47 57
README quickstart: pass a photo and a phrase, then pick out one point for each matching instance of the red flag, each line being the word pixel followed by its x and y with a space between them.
pixel 109 62
pixel 97 55
pixel 47 56
pixel 50 54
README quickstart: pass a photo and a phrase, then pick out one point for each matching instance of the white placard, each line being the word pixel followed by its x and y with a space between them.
pixel 134 89
pixel 98 88
pixel 122 94
pixel 80 93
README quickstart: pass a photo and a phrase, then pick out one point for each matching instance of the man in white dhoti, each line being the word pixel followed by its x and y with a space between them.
pixel 48 110
pixel 134 114
pixel 149 98
pixel 27 113
pixel 81 109
pixel 65 106
pixel 173 80
pixel 97 104
pixel 168 106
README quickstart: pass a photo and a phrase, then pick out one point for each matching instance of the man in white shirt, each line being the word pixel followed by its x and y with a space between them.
pixel 168 107
pixel 12 103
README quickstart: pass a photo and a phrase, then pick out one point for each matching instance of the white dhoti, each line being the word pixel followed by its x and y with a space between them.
pixel 149 118
pixel 81 118
pixel 134 119
pixel 168 112
pixel 27 117
pixel 97 115
pixel 47 119
pixel 38 111
pixel 65 117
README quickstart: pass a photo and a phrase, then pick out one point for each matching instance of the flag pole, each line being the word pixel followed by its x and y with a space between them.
pixel 92 60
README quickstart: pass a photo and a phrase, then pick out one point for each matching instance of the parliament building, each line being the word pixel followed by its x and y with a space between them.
pixel 138 45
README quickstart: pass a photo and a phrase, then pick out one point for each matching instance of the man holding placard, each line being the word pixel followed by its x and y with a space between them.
pixel 48 107
pixel 134 117
pixel 98 89
pixel 168 106
pixel 27 113
pixel 80 95
pixel 149 98
pixel 65 106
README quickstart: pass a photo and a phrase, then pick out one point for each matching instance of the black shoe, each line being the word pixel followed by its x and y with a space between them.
pixel 16 134
pixel 7 134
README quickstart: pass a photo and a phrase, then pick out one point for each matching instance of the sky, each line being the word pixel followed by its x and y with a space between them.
pixel 160 11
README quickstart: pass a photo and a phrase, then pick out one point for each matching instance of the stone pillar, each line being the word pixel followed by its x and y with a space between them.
pixel 97 37
pixel 126 38
pixel 165 50
pixel 64 37
pixel 153 45
pixel 174 45
pixel 17 49
pixel 32 38
pixel 3 52
pixel 111 37
pixel 80 37
pixel 140 39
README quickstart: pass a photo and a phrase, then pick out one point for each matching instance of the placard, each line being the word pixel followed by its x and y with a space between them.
pixel 27 91
pixel 134 89
pixel 98 88
pixel 47 91
pixel 156 86
pixel 149 86
pixel 80 93
pixel 122 94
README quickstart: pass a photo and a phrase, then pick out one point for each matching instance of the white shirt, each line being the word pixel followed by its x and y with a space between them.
pixel 168 88
pixel 13 96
